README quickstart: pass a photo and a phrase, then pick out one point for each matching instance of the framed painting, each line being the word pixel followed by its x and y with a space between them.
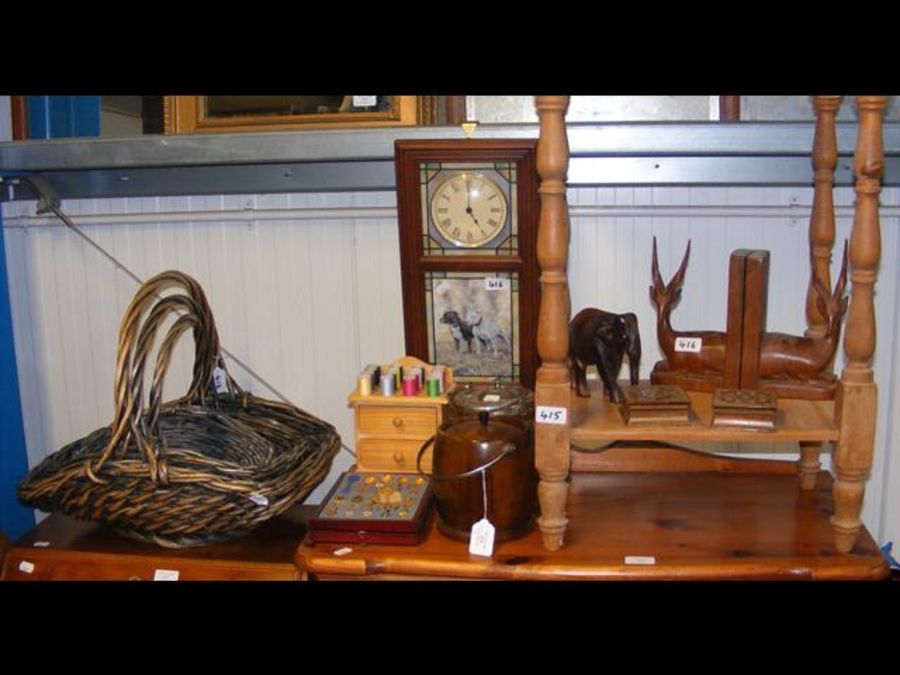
pixel 210 114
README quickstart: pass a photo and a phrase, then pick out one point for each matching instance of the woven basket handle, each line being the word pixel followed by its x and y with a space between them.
pixel 137 334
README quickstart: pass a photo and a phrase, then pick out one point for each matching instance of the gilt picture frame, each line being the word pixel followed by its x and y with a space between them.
pixel 222 114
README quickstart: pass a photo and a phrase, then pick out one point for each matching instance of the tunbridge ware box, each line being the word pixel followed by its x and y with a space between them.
pixel 376 508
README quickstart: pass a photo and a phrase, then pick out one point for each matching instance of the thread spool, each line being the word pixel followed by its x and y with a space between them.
pixel 365 385
pixel 433 386
pixel 387 386
pixel 411 385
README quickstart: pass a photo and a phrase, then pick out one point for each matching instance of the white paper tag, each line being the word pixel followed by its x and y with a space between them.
pixel 481 539
pixel 640 560
pixel 343 551
pixel 364 101
pixel 165 575
pixel 259 500
pixel 41 544
pixel 491 398
pixel 219 380
pixel 27 567
pixel 548 414
pixel 494 284
pixel 688 344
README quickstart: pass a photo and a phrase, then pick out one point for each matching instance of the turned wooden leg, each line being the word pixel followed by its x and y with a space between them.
pixel 552 446
pixel 848 495
pixel 552 458
pixel 852 458
pixel 552 381
pixel 856 401
pixel 809 464
pixel 553 492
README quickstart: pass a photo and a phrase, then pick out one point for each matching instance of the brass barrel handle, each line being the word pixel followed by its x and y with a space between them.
pixel 506 449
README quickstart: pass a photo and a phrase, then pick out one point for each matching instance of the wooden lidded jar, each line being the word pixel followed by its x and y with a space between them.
pixel 485 448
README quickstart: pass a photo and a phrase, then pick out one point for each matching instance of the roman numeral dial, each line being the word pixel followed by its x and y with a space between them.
pixel 469 209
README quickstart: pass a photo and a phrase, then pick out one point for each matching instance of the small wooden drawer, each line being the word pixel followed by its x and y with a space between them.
pixel 397 421
pixel 384 454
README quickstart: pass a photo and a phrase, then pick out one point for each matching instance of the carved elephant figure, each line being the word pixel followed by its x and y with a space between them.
pixel 603 339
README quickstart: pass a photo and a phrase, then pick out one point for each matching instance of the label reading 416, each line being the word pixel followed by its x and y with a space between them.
pixel 688 344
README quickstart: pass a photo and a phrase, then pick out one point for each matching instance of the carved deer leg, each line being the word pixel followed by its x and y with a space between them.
pixel 809 464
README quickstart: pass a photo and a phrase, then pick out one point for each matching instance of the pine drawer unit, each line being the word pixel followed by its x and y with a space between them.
pixel 390 430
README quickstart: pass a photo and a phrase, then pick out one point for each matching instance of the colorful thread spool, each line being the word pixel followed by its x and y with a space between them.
pixel 433 386
pixel 387 386
pixel 411 385
pixel 365 385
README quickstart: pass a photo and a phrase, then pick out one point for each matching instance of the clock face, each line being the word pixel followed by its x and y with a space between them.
pixel 469 209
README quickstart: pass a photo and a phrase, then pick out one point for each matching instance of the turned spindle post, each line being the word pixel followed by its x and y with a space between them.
pixel 821 243
pixel 857 395
pixel 552 382
pixel 821 219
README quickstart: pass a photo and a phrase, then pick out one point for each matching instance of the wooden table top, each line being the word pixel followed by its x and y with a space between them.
pixel 702 525
pixel 62 547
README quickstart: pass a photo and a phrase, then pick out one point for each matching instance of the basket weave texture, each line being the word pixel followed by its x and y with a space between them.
pixel 205 467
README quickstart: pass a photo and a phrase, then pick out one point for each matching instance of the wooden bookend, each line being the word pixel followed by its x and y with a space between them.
pixel 731 376
pixel 756 285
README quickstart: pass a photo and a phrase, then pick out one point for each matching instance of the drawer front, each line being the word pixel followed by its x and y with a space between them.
pixel 384 454
pixel 397 421
pixel 63 566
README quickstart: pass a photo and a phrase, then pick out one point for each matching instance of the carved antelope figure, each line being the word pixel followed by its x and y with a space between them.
pixel 806 358
pixel 711 356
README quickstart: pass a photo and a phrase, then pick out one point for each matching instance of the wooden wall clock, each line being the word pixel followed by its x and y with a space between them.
pixel 468 212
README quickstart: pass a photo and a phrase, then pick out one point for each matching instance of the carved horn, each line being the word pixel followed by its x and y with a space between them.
pixel 678 279
pixel 654 270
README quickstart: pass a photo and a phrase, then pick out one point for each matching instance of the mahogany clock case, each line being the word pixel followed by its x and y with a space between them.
pixel 434 262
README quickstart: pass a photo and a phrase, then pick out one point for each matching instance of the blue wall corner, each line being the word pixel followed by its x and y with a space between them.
pixel 15 519
pixel 63 116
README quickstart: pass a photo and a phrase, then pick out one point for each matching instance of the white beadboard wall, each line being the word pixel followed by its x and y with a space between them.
pixel 306 290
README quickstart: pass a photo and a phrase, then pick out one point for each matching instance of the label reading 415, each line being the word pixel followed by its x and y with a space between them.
pixel 548 414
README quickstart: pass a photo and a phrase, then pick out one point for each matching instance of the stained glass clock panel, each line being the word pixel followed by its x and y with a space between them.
pixel 434 178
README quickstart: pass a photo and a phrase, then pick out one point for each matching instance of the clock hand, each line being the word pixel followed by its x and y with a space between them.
pixel 469 202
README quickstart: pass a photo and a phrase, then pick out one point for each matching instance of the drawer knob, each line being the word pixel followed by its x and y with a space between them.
pixel 398 457
pixel 397 422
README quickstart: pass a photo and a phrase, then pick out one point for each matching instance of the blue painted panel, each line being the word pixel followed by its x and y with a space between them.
pixel 15 519
pixel 63 116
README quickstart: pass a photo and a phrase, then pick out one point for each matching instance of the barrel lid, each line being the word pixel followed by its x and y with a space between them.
pixel 478 400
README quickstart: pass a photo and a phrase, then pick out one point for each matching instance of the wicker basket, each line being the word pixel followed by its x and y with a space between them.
pixel 193 471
